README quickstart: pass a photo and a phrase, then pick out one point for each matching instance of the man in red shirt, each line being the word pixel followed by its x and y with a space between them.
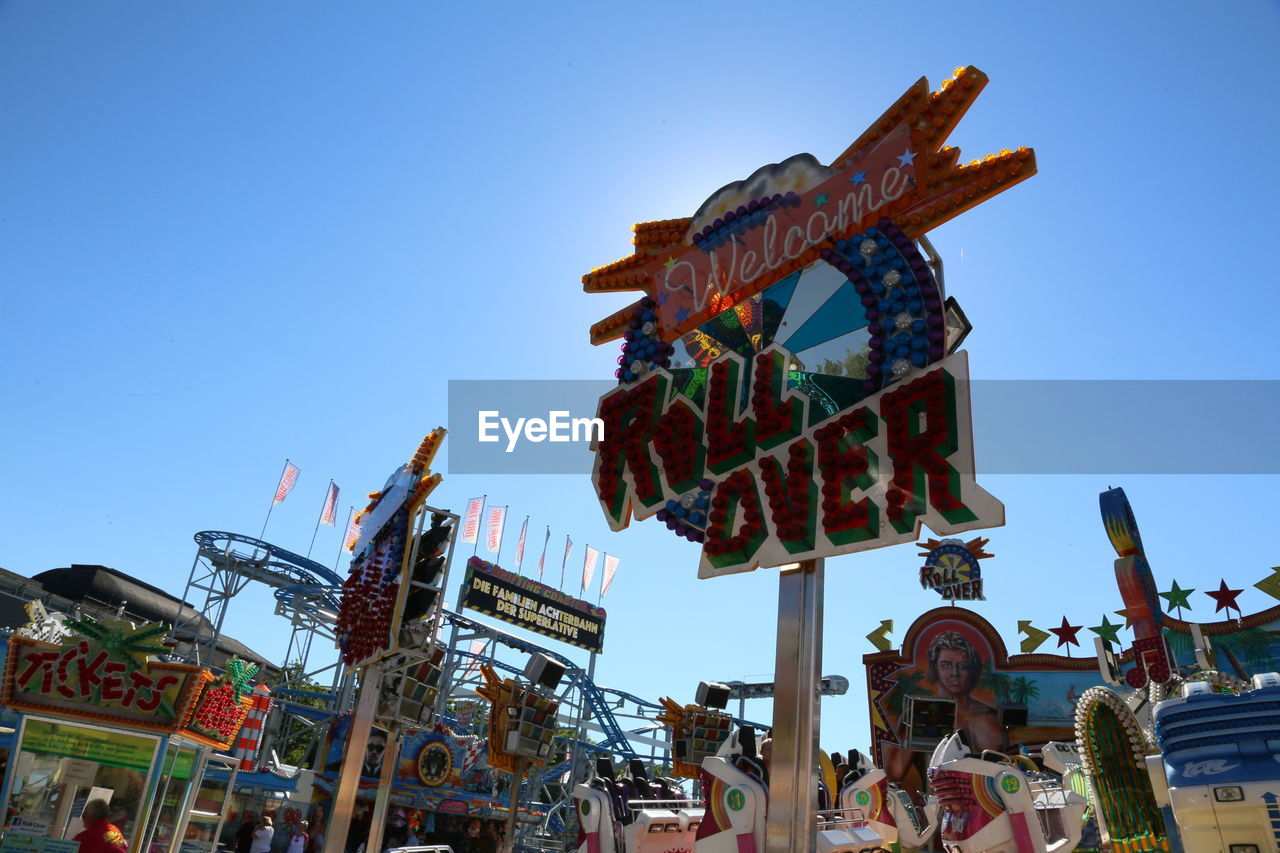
pixel 100 835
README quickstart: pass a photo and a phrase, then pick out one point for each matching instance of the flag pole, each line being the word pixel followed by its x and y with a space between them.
pixel 603 563
pixel 475 547
pixel 319 518
pixel 273 501
pixel 342 543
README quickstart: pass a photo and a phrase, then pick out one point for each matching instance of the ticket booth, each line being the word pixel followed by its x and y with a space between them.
pixel 101 716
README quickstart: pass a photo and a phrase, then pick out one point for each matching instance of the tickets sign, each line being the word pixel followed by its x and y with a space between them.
pixel 86 678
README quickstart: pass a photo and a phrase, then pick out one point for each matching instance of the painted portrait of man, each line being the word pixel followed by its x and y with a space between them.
pixel 955 669
pixel 949 664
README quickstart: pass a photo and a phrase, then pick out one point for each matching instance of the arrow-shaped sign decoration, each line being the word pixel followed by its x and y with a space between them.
pixel 1273 814
pixel 879 637
pixel 1035 637
pixel 1270 584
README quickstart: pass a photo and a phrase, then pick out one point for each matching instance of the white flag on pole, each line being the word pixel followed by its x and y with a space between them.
pixel 471 521
pixel 589 567
pixel 497 520
pixel 610 569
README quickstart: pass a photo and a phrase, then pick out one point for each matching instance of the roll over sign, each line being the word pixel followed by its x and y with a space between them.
pixel 791 385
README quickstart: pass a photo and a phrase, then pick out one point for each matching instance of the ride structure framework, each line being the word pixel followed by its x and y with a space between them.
pixel 593 720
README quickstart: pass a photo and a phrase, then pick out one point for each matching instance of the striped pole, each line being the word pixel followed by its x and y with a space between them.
pixel 251 731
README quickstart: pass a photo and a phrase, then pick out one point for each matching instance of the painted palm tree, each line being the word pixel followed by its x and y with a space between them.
pixel 1023 690
pixel 998 682
pixel 908 683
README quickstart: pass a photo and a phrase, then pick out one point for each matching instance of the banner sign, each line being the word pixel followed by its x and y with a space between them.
pixel 533 606
pixel 103 675
pixel 94 745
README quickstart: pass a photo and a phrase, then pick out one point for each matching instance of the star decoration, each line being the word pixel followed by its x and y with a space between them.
pixel 682 314
pixel 1225 597
pixel 1177 597
pixel 670 262
pixel 858 178
pixel 906 158
pixel 1066 633
pixel 1107 631
pixel 663 297
pixel 1124 614
pixel 820 200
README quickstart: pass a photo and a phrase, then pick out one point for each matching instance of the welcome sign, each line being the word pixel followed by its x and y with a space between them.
pixel 791 385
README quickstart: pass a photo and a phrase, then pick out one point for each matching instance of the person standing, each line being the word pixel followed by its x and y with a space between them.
pixel 298 838
pixel 100 835
pixel 262 836
pixel 244 835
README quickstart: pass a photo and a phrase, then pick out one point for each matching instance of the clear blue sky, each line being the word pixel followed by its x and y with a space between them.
pixel 233 233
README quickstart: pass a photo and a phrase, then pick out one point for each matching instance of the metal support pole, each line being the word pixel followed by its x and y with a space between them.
pixel 578 751
pixel 517 780
pixel 344 797
pixel 790 826
pixel 390 758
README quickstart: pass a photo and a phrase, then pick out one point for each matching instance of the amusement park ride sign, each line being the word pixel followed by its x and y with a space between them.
pixel 102 673
pixel 758 443
pixel 533 606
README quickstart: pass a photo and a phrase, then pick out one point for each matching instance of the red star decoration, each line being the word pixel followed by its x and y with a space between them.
pixel 1226 598
pixel 1066 633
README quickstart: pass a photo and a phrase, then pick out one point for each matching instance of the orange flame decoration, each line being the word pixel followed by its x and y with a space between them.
pixel 976 547
pixel 942 190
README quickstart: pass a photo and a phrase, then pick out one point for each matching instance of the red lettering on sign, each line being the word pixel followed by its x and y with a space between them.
pixel 792 496
pixel 630 416
pixel 847 465
pixel 920 419
pixel 730 442
pixel 42 664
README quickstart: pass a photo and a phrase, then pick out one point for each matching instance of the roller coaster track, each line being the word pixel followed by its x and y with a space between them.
pixel 227 562
pixel 615 739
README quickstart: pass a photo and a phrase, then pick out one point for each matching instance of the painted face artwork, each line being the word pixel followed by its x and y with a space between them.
pixel 954 671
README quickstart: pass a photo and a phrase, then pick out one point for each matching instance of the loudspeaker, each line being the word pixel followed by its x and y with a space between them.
pixel 544 671
pixel 712 694
pixel 1012 714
